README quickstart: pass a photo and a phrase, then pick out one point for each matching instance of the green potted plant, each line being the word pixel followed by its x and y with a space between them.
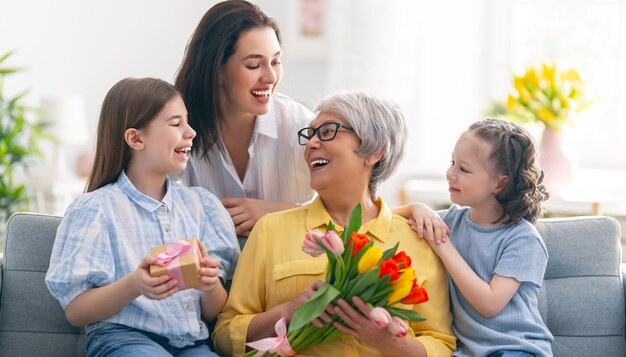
pixel 19 138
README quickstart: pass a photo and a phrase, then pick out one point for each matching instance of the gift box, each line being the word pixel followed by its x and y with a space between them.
pixel 180 260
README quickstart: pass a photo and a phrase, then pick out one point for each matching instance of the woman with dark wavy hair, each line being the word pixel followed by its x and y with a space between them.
pixel 245 151
pixel 495 257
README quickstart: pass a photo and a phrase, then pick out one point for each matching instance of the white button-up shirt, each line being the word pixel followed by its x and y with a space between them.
pixel 276 169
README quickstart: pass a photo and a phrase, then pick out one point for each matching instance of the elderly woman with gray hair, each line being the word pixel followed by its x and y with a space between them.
pixel 352 146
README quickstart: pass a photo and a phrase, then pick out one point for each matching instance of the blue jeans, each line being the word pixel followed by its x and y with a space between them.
pixel 507 353
pixel 119 340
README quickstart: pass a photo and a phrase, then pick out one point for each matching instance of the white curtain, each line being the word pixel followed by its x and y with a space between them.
pixel 428 56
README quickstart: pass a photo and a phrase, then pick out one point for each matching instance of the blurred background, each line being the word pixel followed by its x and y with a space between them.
pixel 445 62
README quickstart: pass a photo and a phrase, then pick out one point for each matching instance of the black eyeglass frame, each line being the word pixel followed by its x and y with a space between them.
pixel 316 131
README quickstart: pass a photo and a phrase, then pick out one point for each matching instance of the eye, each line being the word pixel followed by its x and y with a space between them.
pixel 276 63
pixel 463 169
pixel 176 123
pixel 451 162
pixel 253 66
pixel 327 131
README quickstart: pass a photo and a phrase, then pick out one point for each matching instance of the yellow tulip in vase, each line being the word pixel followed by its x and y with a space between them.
pixel 551 96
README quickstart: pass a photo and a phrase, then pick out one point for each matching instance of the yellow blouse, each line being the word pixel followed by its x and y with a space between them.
pixel 273 269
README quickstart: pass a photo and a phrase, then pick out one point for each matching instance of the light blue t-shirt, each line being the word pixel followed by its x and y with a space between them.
pixel 105 234
pixel 510 250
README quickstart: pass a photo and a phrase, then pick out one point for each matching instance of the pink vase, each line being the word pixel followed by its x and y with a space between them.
pixel 559 161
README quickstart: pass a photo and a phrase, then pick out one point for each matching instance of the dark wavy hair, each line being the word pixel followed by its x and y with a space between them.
pixel 210 47
pixel 514 154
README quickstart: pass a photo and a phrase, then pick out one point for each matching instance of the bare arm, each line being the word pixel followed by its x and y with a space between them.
pixel 100 303
pixel 487 298
pixel 424 221
pixel 262 325
pixel 213 295
pixel 245 212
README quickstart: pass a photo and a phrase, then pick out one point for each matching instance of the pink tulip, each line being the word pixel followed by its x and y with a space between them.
pixel 332 242
pixel 398 327
pixel 380 317
pixel 311 244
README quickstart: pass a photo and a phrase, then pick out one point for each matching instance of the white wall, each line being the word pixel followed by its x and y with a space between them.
pixel 84 47
pixel 74 46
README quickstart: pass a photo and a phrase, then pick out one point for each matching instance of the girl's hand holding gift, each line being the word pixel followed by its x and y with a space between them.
pixel 209 271
pixel 155 288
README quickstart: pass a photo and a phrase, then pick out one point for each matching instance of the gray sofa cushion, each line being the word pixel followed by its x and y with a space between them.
pixel 581 300
pixel 582 297
pixel 32 322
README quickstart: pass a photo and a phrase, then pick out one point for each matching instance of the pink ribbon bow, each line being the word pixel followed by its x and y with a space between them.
pixel 279 344
pixel 170 259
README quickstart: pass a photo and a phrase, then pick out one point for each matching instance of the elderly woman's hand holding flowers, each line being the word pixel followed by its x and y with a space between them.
pixel 371 279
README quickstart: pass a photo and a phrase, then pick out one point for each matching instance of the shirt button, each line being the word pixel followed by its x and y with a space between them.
pixel 189 307
pixel 166 227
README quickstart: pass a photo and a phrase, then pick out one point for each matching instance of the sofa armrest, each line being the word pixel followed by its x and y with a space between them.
pixel 623 276
pixel 1 273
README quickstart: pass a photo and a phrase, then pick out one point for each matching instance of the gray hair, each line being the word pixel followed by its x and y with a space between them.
pixel 379 123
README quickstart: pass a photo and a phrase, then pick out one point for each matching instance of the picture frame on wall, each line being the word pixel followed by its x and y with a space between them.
pixel 306 30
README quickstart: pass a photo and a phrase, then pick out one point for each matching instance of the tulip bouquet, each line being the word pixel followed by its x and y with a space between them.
pixel 544 93
pixel 355 268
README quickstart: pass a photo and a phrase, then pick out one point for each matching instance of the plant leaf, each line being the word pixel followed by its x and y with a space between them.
pixel 405 314
pixel 354 223
pixel 363 282
pixel 314 306
pixel 390 252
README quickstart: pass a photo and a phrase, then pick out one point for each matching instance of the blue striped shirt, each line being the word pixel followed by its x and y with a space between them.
pixel 276 169
pixel 105 234
pixel 511 250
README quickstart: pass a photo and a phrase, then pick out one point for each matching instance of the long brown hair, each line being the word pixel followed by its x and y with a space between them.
pixel 130 103
pixel 210 47
pixel 514 154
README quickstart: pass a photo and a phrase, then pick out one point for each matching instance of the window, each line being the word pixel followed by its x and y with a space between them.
pixel 587 35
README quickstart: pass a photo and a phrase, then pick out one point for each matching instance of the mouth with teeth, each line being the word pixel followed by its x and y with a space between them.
pixel 261 93
pixel 183 152
pixel 319 163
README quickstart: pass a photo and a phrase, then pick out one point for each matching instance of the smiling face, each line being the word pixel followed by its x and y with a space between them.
pixel 250 76
pixel 167 140
pixel 334 165
pixel 472 180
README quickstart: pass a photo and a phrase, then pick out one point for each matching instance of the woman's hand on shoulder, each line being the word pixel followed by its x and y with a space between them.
pixel 245 212
pixel 155 288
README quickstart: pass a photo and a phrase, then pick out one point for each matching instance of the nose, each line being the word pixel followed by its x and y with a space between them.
pixel 189 132
pixel 449 175
pixel 269 75
pixel 314 142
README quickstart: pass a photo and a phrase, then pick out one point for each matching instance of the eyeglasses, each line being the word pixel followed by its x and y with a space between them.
pixel 325 132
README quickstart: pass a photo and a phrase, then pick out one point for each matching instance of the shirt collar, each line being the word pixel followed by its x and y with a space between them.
pixel 317 217
pixel 143 200
pixel 266 124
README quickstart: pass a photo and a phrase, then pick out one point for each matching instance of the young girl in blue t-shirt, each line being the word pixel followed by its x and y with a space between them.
pixel 99 268
pixel 495 257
